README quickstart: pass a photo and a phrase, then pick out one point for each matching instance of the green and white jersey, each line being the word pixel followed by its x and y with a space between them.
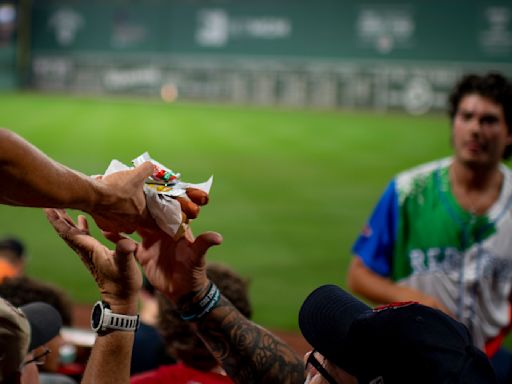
pixel 419 236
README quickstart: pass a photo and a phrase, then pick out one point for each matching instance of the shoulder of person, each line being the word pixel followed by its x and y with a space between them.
pixel 418 176
pixel 505 168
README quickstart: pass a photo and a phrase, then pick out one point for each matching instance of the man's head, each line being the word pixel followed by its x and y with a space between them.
pixel 12 257
pixel 22 290
pixel 400 343
pixel 480 109
pixel 22 330
pixel 180 339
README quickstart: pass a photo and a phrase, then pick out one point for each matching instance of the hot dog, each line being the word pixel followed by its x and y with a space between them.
pixel 197 196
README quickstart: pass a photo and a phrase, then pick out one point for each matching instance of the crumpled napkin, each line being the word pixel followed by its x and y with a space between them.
pixel 165 210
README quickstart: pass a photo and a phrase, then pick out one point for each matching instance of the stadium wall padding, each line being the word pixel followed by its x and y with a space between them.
pixel 327 53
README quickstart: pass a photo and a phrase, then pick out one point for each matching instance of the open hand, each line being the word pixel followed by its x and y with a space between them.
pixel 177 268
pixel 115 272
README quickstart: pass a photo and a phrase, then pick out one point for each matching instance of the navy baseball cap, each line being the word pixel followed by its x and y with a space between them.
pixel 45 323
pixel 397 343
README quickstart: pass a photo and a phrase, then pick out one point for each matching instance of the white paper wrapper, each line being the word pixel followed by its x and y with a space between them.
pixel 164 209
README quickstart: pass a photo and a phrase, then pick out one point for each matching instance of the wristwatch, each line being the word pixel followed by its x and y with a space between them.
pixel 103 319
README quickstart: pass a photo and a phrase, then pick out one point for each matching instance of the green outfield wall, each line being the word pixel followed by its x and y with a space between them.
pixel 326 53
pixel 8 71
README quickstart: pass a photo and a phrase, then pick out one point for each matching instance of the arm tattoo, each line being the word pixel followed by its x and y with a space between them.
pixel 248 352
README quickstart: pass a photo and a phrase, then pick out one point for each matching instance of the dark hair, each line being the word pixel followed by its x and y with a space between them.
pixel 24 290
pixel 14 247
pixel 492 86
pixel 180 339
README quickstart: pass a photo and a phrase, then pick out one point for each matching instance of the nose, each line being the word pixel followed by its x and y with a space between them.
pixel 475 126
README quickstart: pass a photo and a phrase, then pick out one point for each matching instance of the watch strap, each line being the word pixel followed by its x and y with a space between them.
pixel 119 322
pixel 104 320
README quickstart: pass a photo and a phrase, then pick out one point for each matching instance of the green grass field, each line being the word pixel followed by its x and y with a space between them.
pixel 292 188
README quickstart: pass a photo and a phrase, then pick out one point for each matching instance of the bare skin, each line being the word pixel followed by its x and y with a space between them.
pixel 119 281
pixel 32 179
pixel 117 202
pixel 248 353
pixel 315 377
pixel 382 290
pixel 479 137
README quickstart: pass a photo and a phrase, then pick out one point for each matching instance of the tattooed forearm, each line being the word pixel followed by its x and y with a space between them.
pixel 249 353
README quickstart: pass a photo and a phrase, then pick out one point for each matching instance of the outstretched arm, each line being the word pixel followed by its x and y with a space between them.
pixel 382 290
pixel 119 280
pixel 30 178
pixel 248 353
pixel 117 202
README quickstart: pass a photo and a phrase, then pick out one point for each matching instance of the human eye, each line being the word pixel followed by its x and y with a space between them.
pixel 465 115
pixel 489 120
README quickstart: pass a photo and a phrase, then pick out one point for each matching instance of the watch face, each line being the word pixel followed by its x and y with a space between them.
pixel 97 313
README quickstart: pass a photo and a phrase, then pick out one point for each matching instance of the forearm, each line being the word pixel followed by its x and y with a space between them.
pixel 379 289
pixel 110 359
pixel 111 354
pixel 248 353
pixel 30 178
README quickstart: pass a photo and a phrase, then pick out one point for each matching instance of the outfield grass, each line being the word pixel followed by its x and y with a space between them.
pixel 291 191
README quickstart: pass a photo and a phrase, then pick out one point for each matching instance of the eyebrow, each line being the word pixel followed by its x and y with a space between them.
pixel 489 116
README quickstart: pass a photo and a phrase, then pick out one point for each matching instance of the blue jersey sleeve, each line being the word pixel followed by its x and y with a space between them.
pixel 376 241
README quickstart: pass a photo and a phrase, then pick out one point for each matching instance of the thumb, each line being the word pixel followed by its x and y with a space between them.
pixel 82 224
pixel 206 240
pixel 124 249
pixel 143 171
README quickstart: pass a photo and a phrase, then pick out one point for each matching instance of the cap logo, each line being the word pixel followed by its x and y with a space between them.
pixel 378 380
pixel 396 305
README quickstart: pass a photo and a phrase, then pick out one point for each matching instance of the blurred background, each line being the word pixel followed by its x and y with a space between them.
pixel 301 110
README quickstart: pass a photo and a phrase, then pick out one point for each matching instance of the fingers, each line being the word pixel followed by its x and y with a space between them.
pixel 144 170
pixel 82 224
pixel 51 214
pixel 76 236
pixel 188 207
pixel 125 248
pixel 60 221
pixel 311 371
pixel 184 218
pixel 306 357
pixel 57 214
pixel 197 196
pixel 206 240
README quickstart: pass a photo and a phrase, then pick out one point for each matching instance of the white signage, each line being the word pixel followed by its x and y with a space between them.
pixel 216 28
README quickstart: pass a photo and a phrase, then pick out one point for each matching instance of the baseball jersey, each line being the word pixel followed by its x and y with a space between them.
pixel 419 236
